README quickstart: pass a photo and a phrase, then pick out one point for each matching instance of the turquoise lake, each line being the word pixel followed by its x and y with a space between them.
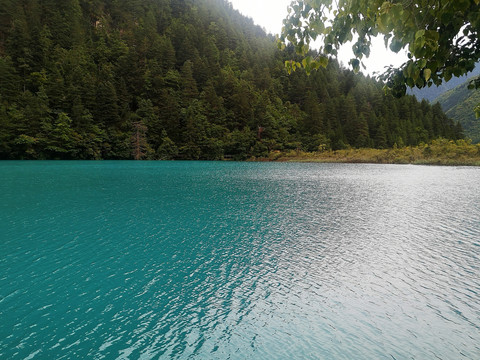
pixel 225 260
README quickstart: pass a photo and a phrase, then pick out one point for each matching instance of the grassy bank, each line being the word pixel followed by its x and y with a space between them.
pixel 438 152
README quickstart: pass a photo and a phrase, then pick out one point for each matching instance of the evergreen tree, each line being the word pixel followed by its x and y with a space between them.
pixel 92 79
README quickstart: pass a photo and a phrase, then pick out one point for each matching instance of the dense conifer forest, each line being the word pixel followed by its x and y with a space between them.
pixel 180 79
pixel 458 104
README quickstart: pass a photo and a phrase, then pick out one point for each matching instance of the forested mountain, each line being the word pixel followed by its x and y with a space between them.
pixel 179 79
pixel 432 93
pixel 459 104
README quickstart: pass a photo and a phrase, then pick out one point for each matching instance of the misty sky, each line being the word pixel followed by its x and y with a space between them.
pixel 270 13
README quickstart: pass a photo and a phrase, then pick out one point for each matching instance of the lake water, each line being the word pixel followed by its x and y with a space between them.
pixel 224 260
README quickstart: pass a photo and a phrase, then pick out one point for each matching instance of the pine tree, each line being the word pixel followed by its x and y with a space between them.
pixel 167 149
pixel 315 114
pixel 106 110
pixel 189 85
pixel 204 81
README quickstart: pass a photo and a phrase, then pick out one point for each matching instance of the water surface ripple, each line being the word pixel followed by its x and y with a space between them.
pixel 208 260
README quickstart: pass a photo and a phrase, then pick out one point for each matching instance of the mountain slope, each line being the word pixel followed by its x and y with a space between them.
pixel 458 104
pixel 432 93
pixel 179 79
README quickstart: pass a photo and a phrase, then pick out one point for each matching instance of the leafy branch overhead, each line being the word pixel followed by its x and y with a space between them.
pixel 440 36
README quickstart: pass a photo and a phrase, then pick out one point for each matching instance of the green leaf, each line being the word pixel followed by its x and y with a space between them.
pixel 447 76
pixel 396 45
pixel 477 111
pixel 432 35
pixel 416 73
pixel 397 11
pixel 427 73
pixel 355 64
pixel 323 61
pixel 419 34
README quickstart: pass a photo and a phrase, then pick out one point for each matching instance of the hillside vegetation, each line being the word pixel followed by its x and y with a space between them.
pixel 433 92
pixel 459 104
pixel 438 152
pixel 180 79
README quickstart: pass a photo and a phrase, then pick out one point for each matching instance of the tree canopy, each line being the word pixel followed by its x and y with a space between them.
pixel 440 36
pixel 180 79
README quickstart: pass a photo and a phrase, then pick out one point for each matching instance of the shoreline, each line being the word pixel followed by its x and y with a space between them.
pixel 439 152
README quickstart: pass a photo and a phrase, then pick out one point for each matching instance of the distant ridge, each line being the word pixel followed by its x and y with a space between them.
pixel 458 103
pixel 432 93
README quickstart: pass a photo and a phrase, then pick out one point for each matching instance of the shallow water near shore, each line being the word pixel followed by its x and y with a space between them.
pixel 225 260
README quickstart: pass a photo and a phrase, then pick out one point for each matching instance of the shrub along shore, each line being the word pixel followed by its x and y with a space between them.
pixel 437 152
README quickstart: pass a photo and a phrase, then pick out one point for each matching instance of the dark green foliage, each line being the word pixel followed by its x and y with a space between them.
pixel 458 104
pixel 433 92
pixel 164 79
pixel 441 37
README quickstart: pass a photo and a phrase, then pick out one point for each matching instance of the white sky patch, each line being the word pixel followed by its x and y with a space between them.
pixel 379 58
pixel 269 14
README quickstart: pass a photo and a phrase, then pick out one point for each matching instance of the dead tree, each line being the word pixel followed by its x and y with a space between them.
pixel 139 140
